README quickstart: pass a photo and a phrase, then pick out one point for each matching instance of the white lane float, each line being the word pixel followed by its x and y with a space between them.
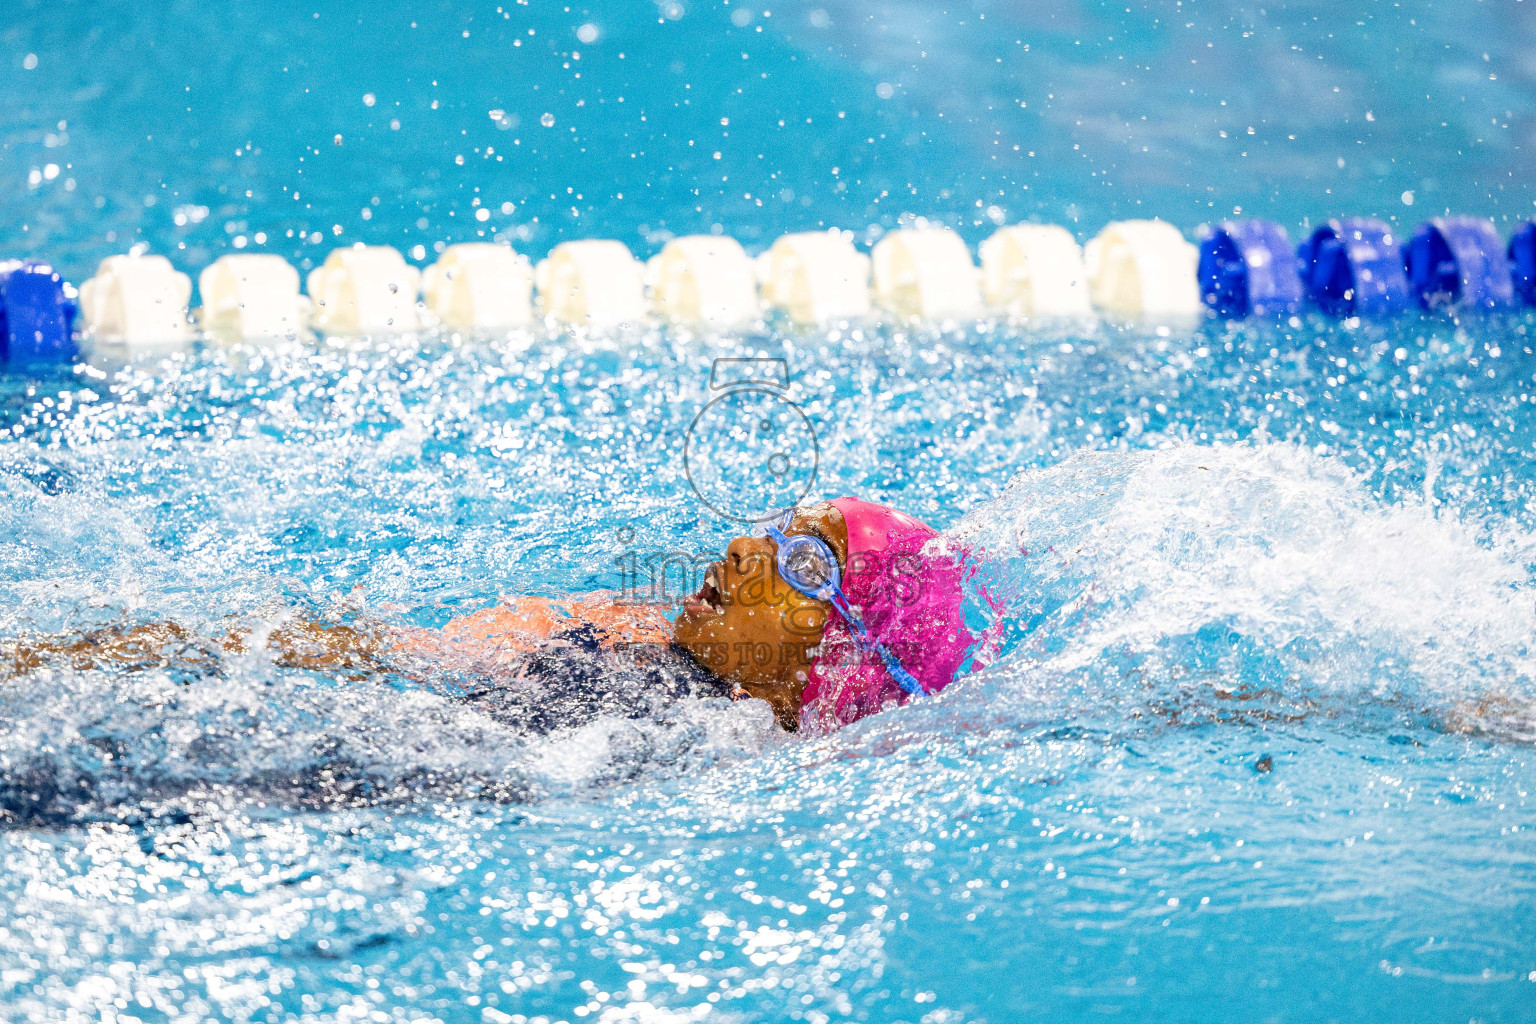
pixel 1035 271
pixel 1143 270
pixel 927 274
pixel 815 276
pixel 363 289
pixel 136 300
pixel 252 295
pixel 480 285
pixel 594 282
pixel 704 279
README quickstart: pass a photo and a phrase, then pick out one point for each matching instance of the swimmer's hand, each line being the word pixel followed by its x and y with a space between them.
pixel 1502 716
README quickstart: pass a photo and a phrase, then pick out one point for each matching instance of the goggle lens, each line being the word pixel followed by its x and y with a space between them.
pixel 806 564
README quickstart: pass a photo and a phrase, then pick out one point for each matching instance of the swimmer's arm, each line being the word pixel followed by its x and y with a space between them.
pixel 159 645
pixel 520 623
pixel 354 650
pixel 515 626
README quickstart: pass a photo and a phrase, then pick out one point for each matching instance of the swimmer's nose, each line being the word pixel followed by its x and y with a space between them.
pixel 747 556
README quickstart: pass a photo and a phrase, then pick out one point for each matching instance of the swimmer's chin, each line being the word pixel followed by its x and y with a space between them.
pixel 688 627
pixel 695 610
pixel 710 655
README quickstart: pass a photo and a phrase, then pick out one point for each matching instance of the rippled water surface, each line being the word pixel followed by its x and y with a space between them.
pixel 1256 741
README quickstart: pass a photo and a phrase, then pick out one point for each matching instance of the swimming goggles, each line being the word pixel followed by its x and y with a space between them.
pixel 808 564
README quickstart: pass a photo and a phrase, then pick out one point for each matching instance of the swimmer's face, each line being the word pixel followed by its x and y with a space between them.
pixel 750 627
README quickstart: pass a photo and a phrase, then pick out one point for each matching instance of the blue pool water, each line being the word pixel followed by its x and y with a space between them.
pixel 1258 745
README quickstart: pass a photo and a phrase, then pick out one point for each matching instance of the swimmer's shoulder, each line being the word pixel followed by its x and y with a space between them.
pixel 624 621
pixel 524 620
pixel 519 617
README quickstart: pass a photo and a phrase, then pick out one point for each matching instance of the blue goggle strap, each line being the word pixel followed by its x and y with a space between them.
pixel 833 594
pixel 906 680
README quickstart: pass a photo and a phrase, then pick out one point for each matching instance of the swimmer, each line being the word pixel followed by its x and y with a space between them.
pixel 826 612
pixel 830 612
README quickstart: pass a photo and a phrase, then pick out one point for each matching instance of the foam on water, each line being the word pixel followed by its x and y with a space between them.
pixel 1252 566
pixel 82 746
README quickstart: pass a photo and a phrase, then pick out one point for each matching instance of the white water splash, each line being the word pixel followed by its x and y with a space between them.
pixel 1172 554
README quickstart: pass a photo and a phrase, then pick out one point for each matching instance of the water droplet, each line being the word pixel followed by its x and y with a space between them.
pixel 337 140
pixel 369 99
pixel 548 120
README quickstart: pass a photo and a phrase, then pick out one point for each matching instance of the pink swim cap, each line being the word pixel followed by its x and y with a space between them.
pixel 910 602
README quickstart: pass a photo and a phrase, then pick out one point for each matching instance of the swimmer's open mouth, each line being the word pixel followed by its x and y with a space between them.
pixel 708 597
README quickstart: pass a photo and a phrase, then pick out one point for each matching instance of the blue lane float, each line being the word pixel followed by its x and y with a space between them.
pixel 37 313
pixel 1459 261
pixel 1247 268
pixel 1354 267
pixel 1522 259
